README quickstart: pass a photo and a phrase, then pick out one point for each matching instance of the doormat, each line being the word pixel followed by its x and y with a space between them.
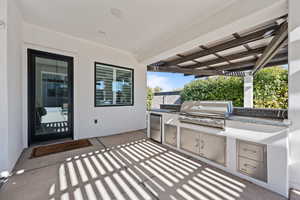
pixel 57 148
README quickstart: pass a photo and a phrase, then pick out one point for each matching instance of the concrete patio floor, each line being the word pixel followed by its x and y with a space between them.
pixel 126 166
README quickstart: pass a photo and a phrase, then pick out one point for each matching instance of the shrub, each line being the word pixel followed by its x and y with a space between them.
pixel 215 88
pixel 270 89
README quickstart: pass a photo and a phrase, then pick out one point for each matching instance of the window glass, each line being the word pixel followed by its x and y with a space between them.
pixel 114 85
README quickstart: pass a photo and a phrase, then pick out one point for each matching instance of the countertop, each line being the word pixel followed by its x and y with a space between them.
pixel 255 120
pixel 258 120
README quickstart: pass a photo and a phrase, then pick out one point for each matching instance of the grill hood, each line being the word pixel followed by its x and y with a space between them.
pixel 207 108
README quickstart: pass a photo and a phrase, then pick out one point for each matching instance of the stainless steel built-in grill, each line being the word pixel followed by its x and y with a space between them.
pixel 206 113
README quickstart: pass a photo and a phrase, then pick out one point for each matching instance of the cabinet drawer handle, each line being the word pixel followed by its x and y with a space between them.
pixel 245 170
pixel 247 165
pixel 253 151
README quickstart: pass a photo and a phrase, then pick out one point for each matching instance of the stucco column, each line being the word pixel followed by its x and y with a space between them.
pixel 3 88
pixel 248 91
pixel 294 93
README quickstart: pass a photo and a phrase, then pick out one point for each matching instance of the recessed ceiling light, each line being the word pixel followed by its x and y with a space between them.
pixel 116 12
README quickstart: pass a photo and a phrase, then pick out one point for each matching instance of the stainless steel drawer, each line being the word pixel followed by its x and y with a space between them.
pixel 189 140
pixel 252 168
pixel 251 150
pixel 170 134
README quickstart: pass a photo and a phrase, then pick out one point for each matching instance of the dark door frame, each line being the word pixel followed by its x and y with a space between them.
pixel 31 54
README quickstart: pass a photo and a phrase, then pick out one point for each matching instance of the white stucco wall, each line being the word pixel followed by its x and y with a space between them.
pixel 112 120
pixel 14 71
pixel 3 87
pixel 294 92
pixel 10 90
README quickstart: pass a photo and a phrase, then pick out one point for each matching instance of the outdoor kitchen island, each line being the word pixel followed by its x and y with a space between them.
pixel 252 148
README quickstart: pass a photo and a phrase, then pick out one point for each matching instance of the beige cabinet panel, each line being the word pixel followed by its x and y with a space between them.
pixel 189 140
pixel 170 134
pixel 213 147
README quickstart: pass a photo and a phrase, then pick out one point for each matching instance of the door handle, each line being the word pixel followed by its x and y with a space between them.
pixel 248 165
pixel 197 143
pixel 202 144
pixel 252 151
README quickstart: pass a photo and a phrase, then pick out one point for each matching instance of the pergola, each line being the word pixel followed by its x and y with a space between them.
pixel 240 54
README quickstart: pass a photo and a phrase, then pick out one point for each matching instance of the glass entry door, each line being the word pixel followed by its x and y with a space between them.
pixel 50 96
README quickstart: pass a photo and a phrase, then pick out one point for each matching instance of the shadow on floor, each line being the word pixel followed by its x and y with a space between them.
pixel 140 169
pixel 145 170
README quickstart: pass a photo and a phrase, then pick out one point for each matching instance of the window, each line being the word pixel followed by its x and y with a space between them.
pixel 113 85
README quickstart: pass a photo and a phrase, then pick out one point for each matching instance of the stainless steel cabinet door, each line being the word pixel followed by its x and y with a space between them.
pixel 171 134
pixel 213 147
pixel 155 122
pixel 189 140
pixel 155 127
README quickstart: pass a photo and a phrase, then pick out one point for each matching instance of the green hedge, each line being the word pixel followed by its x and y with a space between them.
pixel 270 89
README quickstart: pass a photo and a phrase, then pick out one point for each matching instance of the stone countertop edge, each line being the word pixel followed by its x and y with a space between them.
pixel 263 121
pixel 245 119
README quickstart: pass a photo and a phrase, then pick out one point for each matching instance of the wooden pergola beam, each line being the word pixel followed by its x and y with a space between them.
pixel 236 35
pixel 254 36
pixel 216 54
pixel 280 58
pixel 270 64
pixel 275 52
pixel 250 62
pixel 250 67
pixel 273 48
pixel 231 57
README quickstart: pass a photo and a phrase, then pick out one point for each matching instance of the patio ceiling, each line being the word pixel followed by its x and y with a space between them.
pixel 147 29
pixel 260 46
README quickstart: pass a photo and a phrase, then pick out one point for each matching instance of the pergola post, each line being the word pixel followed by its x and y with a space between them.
pixel 248 90
pixel 294 92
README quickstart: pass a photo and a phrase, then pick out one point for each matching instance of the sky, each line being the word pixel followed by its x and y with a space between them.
pixel 167 81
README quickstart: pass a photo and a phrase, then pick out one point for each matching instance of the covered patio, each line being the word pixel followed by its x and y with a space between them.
pixel 74 122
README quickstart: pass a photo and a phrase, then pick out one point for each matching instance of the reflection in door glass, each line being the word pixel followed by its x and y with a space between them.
pixel 51 102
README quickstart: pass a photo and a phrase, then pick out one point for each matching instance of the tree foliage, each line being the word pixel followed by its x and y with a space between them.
pixel 157 89
pixel 215 88
pixel 270 89
pixel 150 95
